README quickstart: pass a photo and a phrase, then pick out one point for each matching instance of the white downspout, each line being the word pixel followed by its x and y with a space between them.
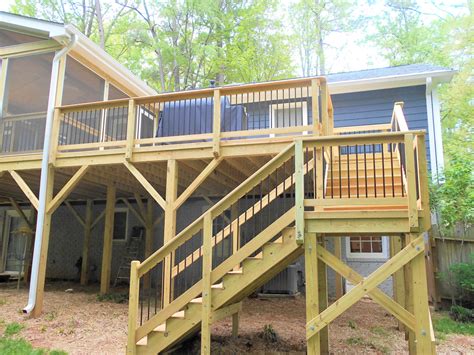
pixel 44 173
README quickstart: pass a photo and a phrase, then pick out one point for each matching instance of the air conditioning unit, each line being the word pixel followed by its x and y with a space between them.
pixel 285 283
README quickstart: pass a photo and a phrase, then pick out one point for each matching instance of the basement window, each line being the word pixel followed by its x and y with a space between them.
pixel 120 225
pixel 367 247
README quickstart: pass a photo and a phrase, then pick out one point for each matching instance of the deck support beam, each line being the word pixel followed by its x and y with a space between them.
pixel 25 188
pixel 312 288
pixel 206 319
pixel 108 239
pixel 169 227
pixel 323 296
pixel 86 243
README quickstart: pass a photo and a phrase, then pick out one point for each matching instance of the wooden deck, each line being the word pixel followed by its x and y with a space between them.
pixel 288 183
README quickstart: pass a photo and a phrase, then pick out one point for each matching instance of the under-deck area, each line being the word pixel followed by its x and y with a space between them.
pixel 277 176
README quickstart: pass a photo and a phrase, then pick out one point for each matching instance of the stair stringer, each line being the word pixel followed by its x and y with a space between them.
pixel 256 272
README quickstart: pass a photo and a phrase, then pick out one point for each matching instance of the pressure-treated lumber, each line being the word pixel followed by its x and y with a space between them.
pixel 108 239
pixel 86 242
pixel 367 285
pixel 133 303
pixel 312 288
pixel 323 296
pixel 67 189
pixel 144 182
pixel 299 191
pixel 25 188
pixel 206 286
pixel 169 231
pixel 216 123
pixel 411 181
pixel 377 295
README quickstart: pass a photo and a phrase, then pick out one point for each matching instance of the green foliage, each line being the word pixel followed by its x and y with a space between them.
pixel 453 199
pixel 352 324
pixel 13 328
pixel 12 346
pixel 446 325
pixel 460 277
pixel 113 297
pixel 461 314
pixel 269 334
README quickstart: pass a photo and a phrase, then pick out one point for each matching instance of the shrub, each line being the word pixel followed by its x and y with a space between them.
pixel 460 277
pixel 269 334
pixel 461 314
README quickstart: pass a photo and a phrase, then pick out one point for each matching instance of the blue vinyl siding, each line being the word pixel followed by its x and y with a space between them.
pixel 375 107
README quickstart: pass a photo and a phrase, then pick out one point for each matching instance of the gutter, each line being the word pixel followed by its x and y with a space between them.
pixel 53 88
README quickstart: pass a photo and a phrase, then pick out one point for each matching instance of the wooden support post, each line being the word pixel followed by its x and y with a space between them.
pixel 324 109
pixel 411 181
pixel 323 298
pixel 407 271
pixel 338 277
pixel 130 129
pixel 170 227
pixel 235 324
pixel 44 246
pixel 299 192
pixel 206 285
pixel 234 214
pixel 148 239
pixel 86 243
pixel 133 303
pixel 315 107
pixel 421 311
pixel 216 123
pixel 108 239
pixel 312 288
pixel 398 277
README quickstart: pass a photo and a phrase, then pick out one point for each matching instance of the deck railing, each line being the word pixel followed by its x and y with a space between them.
pixel 272 198
pixel 211 116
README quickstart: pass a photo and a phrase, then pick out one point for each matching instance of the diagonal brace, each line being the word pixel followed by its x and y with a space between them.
pixel 365 286
pixel 376 294
pixel 146 185
pixel 67 189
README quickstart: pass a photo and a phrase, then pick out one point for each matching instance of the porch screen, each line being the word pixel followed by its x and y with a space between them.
pixel 25 102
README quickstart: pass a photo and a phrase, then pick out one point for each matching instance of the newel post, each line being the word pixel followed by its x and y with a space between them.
pixel 411 181
pixel 133 303
pixel 130 129
pixel 206 284
pixel 299 191
pixel 216 123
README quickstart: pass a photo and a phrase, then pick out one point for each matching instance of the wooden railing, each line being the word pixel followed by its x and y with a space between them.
pixel 287 108
pixel 22 133
pixel 237 226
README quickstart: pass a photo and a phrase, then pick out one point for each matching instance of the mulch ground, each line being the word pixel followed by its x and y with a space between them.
pixel 78 323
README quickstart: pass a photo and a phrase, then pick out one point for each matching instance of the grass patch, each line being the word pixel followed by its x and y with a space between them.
pixel 446 325
pixel 352 324
pixel 379 331
pixel 13 328
pixel 113 297
pixel 3 301
pixel 359 341
pixel 50 316
pixel 12 346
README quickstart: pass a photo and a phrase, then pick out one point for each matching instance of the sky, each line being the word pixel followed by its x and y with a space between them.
pixel 349 54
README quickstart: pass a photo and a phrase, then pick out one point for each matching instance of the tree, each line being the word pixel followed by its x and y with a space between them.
pixel 313 22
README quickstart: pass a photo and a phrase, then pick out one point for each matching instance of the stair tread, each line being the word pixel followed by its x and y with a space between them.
pixel 196 300
pixel 179 314
pixel 235 272
pixel 142 342
pixel 160 328
pixel 219 286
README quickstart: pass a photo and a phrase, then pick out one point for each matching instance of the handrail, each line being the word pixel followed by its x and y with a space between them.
pixel 398 117
pixel 215 210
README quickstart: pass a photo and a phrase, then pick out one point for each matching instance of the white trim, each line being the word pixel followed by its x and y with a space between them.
pixel 434 127
pixel 122 209
pixel 367 256
pixel 388 81
pixel 282 106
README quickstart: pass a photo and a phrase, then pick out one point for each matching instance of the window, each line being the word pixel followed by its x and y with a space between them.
pixel 120 224
pixel 291 114
pixel 367 247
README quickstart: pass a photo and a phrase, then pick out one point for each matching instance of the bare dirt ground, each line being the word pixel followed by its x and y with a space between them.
pixel 78 323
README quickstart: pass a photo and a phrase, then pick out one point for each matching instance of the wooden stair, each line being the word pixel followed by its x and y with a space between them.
pixel 232 288
pixel 352 176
